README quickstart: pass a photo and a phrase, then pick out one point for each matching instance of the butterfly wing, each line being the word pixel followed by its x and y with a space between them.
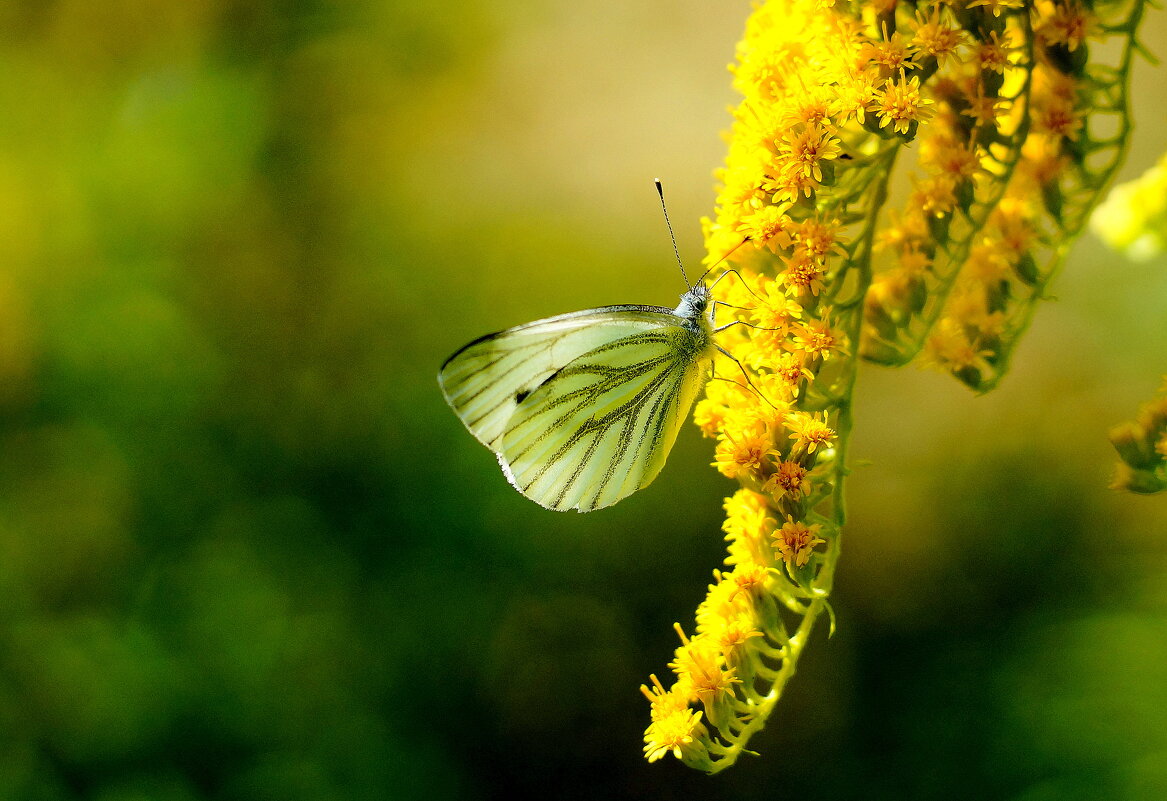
pixel 581 409
pixel 601 428
pixel 486 380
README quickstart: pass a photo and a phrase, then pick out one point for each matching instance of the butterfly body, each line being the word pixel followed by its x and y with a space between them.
pixel 582 409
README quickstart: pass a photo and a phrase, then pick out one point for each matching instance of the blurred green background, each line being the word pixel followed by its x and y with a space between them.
pixel 247 553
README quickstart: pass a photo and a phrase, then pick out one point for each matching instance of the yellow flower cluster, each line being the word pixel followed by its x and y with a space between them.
pixel 1006 173
pixel 1142 448
pixel 826 100
pixel 1000 264
pixel 989 92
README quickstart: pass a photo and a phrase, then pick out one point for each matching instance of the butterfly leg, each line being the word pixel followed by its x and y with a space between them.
pixel 748 325
pixel 716 327
pixel 745 375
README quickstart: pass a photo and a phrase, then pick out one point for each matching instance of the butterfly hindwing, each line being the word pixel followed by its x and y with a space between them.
pixel 600 427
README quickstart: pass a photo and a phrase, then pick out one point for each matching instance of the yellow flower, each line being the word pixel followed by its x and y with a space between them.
pixel 680 732
pixel 816 339
pixel 1142 446
pixel 1133 218
pixel 743 454
pixel 664 702
pixel 809 431
pixel 936 38
pixel 775 311
pixel 727 618
pixel 811 109
pixel 992 53
pixel 854 95
pixel 1012 223
pixel 701 669
pixel 747 581
pixel 900 103
pixel 709 415
pixel 1057 116
pixel 999 92
pixel 1066 23
pixel 902 231
pixel 767 227
pixel 890 52
pixel 795 541
pixel 913 264
pixel 802 151
pixel 791 184
pixel 952 159
pixel 789 479
pixel 790 370
pixel 748 522
pixel 987 262
pixel 803 274
pixel 820 238
pixel 1042 159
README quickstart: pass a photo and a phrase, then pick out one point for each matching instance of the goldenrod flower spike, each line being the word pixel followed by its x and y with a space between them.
pixel 993 100
pixel 996 229
pixel 1142 448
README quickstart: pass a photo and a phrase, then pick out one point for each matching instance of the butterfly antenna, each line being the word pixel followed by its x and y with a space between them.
pixel 728 253
pixel 660 190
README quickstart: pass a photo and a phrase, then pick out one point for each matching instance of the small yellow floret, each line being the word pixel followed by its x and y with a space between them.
pixel 789 479
pixel 809 430
pixel 679 733
pixel 743 453
pixel 900 103
pixel 796 541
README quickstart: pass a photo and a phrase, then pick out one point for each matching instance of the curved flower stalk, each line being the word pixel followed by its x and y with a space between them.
pixel 994 100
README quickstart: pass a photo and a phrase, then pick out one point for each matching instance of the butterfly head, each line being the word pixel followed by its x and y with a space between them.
pixel 695 304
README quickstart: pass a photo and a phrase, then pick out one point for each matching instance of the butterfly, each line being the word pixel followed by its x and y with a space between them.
pixel 582 409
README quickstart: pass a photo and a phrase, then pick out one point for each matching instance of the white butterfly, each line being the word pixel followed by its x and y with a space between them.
pixel 582 409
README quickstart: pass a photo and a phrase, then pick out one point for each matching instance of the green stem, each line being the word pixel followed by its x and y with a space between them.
pixel 761 712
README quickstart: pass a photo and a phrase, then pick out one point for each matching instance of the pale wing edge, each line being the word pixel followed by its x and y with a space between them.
pixel 559 318
pixel 495 409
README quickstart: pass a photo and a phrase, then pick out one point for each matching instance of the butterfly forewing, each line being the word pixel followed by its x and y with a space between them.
pixel 601 427
pixel 484 381
pixel 581 409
